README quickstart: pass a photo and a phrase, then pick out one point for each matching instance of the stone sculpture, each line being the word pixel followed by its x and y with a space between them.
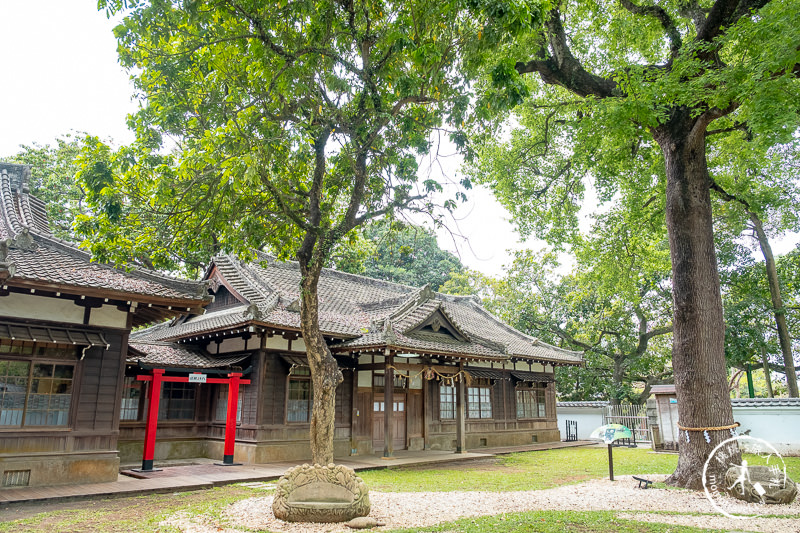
pixel 316 493
pixel 759 484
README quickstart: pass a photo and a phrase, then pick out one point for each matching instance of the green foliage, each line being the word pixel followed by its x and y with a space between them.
pixel 615 306
pixel 267 125
pixel 53 170
pixel 471 282
pixel 748 310
pixel 400 253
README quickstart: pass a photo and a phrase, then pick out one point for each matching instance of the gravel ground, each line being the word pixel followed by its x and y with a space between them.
pixel 419 509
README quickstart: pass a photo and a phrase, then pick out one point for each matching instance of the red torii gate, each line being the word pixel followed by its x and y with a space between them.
pixel 154 397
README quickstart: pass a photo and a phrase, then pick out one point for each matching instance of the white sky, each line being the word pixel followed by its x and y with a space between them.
pixel 60 74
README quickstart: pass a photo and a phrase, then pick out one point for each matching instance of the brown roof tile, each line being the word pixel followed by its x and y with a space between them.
pixel 39 257
pixel 173 355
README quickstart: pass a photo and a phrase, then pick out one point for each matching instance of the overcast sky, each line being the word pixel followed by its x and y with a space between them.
pixel 60 74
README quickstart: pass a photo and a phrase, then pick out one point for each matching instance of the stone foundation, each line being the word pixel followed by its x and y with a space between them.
pixel 40 470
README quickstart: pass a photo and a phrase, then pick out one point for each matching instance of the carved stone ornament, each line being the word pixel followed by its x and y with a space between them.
pixel 317 493
pixel 253 313
pixel 389 336
pixel 760 484
pixel 294 306
pixel 23 240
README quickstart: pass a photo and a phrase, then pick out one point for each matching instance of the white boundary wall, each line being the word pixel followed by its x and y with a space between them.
pixel 775 420
pixel 588 415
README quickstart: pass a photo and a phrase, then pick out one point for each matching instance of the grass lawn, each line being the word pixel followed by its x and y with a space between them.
pixel 532 470
pixel 523 471
pixel 553 522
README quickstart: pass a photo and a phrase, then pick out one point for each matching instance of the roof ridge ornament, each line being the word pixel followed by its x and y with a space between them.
pixel 7 269
pixel 294 306
pixel 253 313
pixel 23 240
pixel 388 333
pixel 425 294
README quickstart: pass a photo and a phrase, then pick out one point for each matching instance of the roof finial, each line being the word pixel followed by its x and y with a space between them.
pixel 6 269
pixel 23 240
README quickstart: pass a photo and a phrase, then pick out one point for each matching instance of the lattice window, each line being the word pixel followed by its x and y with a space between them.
pixel 300 401
pixel 531 402
pixel 177 401
pixel 447 402
pixel 222 404
pixel 34 393
pixel 131 399
pixel 479 402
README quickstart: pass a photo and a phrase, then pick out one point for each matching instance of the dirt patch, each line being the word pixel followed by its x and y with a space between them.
pixel 108 514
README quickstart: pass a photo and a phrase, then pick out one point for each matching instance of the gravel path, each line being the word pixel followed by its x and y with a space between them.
pixel 419 509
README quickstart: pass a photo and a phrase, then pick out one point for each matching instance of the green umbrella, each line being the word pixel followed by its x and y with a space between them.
pixel 608 434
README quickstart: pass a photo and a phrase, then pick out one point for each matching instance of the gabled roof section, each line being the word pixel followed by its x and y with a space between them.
pixel 431 318
pixel 367 314
pixel 30 257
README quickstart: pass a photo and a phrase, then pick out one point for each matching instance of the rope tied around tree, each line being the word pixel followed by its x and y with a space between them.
pixel 705 430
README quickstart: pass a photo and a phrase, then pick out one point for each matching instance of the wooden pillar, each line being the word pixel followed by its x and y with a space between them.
pixel 461 416
pixel 355 414
pixel 153 399
pixel 261 379
pixel 388 407
pixel 426 385
pixel 230 420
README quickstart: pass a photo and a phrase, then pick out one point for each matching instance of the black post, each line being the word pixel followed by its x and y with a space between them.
pixel 610 463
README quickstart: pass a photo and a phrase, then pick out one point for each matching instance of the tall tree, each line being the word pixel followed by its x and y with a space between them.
pixel 402 253
pixel 615 306
pixel 761 191
pixel 612 75
pixel 751 336
pixel 53 170
pixel 290 125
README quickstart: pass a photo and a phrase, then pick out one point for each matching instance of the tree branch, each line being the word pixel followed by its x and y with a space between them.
pixel 562 68
pixel 663 17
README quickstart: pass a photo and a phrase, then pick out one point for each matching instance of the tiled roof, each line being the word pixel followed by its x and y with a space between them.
pixel 366 314
pixel 172 355
pixel 662 389
pixel 597 403
pixel 765 402
pixel 39 257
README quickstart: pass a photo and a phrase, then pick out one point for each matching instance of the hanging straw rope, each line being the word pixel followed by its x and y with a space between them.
pixel 715 428
pixel 430 373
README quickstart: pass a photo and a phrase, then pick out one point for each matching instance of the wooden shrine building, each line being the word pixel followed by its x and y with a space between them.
pixel 64 326
pixel 223 373
pixel 422 370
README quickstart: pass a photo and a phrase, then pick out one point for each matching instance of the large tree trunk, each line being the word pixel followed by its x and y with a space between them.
pixel 325 373
pixel 698 352
pixel 777 305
